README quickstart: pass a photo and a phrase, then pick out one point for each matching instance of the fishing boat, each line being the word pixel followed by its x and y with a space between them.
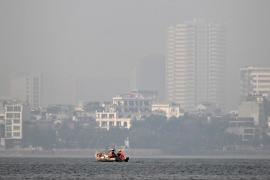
pixel 110 156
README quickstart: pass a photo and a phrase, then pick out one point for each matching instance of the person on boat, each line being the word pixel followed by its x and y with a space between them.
pixel 99 154
pixel 121 155
pixel 112 154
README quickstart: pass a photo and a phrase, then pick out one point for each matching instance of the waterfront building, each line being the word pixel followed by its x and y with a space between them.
pixel 134 102
pixel 244 127
pixel 13 121
pixel 195 64
pixel 254 107
pixel 112 119
pixel 254 80
pixel 169 110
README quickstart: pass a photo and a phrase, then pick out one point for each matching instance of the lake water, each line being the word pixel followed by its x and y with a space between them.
pixel 87 168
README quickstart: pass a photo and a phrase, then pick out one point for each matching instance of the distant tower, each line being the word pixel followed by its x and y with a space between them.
pixel 149 74
pixel 195 64
pixel 28 89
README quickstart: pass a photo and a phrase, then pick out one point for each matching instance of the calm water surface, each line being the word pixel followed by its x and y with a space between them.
pixel 84 168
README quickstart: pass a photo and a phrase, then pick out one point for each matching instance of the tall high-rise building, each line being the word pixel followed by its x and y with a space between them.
pixel 195 64
pixel 28 89
pixel 149 74
pixel 254 80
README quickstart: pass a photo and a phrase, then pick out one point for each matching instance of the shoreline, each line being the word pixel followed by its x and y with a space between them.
pixel 133 153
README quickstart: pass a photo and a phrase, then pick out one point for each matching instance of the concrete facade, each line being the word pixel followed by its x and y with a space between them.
pixel 134 102
pixel 254 80
pixel 169 110
pixel 111 119
pixel 195 64
pixel 13 121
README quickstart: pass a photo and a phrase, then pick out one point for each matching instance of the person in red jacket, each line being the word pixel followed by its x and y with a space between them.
pixel 121 155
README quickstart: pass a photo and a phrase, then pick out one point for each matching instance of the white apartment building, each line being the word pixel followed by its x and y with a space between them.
pixel 13 121
pixel 195 64
pixel 111 119
pixel 28 89
pixel 169 110
pixel 134 102
pixel 254 80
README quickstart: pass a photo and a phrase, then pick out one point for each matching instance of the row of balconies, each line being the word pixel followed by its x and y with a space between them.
pixel 125 123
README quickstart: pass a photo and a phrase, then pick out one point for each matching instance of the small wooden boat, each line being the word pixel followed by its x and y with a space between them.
pixel 105 157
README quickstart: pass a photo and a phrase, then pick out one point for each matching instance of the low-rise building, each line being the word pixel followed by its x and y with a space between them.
pixel 111 119
pixel 134 102
pixel 255 80
pixel 253 107
pixel 13 121
pixel 169 110
pixel 243 127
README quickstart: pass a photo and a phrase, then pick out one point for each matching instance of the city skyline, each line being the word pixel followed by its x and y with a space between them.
pixel 69 43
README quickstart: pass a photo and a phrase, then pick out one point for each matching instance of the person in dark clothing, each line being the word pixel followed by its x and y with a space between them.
pixel 113 153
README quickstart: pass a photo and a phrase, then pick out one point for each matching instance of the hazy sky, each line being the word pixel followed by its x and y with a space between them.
pixel 71 39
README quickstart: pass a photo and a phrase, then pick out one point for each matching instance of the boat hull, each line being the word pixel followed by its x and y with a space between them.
pixel 107 159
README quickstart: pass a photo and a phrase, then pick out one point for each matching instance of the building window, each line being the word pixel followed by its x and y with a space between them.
pixel 16 121
pixel 9 115
pixel 9 108
pixel 248 137
pixel 8 121
pixel 17 108
pixel 8 128
pixel 118 123
pixel 103 115
pixel 111 116
pixel 103 124
pixel 125 124
pixel 111 123
pixel 17 115
pixel 16 128
pixel 16 134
